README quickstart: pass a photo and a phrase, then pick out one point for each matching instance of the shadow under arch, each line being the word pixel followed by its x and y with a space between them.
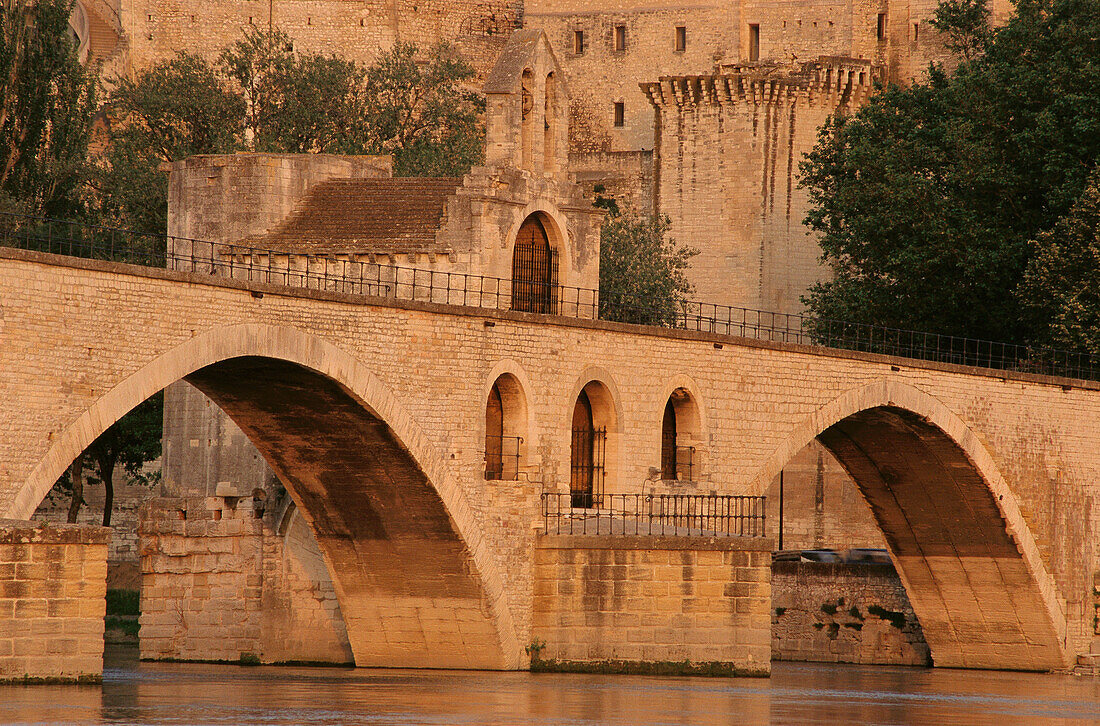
pixel 416 583
pixel 964 553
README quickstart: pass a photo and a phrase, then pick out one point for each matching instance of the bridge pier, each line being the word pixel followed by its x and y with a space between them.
pixel 668 605
pixel 53 586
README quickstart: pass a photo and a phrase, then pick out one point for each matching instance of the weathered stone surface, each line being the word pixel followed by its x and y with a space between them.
pixel 1000 474
pixel 652 600
pixel 52 589
pixel 844 613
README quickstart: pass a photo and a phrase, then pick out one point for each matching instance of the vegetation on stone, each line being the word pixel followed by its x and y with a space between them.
pixel 642 270
pixel 928 197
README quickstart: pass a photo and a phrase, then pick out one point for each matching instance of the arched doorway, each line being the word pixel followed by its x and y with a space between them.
pixel 534 269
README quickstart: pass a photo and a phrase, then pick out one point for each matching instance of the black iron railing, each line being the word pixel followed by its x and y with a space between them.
pixel 502 455
pixel 357 274
pixel 673 515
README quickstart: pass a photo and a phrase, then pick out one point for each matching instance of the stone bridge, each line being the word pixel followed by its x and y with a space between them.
pixel 373 412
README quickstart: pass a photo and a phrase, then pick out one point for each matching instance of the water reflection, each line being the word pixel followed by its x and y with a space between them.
pixel 156 693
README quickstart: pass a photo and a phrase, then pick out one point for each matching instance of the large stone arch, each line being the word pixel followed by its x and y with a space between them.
pixel 963 550
pixel 416 582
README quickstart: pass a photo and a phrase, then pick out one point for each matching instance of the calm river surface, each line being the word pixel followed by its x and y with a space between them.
pixel 797 693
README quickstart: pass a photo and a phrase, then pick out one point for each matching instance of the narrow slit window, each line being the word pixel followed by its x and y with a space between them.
pixel 578 42
pixel 620 113
pixel 754 42
pixel 681 39
pixel 916 32
pixel 620 38
pixel 882 26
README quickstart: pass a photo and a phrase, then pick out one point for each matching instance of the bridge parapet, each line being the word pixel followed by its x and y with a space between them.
pixel 654 515
pixel 371 276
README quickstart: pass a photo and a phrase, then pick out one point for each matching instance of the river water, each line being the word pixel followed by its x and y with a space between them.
pixel 797 693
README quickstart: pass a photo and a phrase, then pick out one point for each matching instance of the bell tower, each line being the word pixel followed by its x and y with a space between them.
pixel 527 107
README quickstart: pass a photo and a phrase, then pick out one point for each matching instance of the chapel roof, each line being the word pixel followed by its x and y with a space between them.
pixel 365 216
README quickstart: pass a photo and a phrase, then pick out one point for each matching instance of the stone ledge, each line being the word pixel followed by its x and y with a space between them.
pixel 633 542
pixel 22 531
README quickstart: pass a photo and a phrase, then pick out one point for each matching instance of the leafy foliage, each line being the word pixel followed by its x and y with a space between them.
pixel 264 96
pixel 926 198
pixel 169 111
pixel 965 24
pixel 1062 284
pixel 47 107
pixel 131 442
pixel 642 276
pixel 422 114
pixel 296 102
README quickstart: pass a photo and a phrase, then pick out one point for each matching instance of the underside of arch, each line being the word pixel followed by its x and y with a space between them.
pixel 978 603
pixel 408 587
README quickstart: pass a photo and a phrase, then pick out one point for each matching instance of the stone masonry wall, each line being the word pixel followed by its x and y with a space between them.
pixel 52 600
pixel 841 613
pixel 220 584
pixel 357 29
pixel 1032 436
pixel 123 569
pixel 653 600
pixel 601 76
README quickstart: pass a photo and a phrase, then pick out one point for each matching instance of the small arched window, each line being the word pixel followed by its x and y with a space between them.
pixel 668 442
pixel 505 427
pixel 679 426
pixel 527 119
pixel 534 269
pixel 550 117
pixel 585 455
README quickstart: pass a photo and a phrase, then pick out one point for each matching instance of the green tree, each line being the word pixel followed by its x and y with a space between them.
pixel 47 107
pixel 132 441
pixel 925 199
pixel 965 25
pixel 642 270
pixel 423 113
pixel 297 102
pixel 169 111
pixel 1062 283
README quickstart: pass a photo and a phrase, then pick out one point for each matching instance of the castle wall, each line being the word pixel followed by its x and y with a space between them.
pixel 727 176
pixel 600 76
pixel 357 29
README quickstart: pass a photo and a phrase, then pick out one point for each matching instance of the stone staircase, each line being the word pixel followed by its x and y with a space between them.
pixel 1088 664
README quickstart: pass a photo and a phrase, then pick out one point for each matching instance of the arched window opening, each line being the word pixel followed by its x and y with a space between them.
pixel 494 436
pixel 679 426
pixel 668 443
pixel 505 426
pixel 527 119
pixel 586 455
pixel 534 269
pixel 550 115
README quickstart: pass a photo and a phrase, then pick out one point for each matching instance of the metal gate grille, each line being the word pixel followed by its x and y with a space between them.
pixel 534 271
pixel 587 466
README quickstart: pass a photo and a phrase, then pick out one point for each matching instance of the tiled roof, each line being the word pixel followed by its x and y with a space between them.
pixel 364 215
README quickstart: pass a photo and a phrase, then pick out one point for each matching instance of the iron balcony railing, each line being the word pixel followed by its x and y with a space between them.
pixel 671 515
pixel 350 274
pixel 502 455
